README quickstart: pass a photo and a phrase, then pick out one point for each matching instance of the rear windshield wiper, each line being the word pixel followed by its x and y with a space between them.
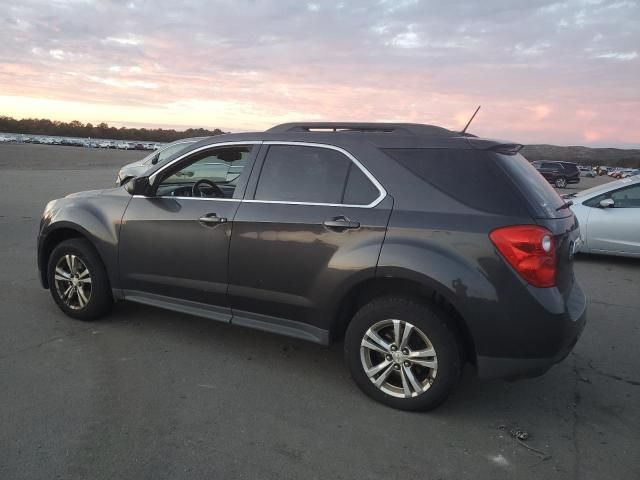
pixel 565 205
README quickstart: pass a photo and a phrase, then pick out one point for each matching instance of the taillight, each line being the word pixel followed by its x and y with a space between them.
pixel 530 250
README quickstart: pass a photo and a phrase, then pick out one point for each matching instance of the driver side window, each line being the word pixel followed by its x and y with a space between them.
pixel 212 173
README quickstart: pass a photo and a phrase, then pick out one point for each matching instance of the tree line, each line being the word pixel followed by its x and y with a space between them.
pixel 75 128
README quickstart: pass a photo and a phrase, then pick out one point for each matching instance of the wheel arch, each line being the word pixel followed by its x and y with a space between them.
pixel 53 237
pixel 423 291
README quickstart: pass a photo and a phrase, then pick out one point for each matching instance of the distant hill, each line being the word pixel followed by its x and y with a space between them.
pixel 611 157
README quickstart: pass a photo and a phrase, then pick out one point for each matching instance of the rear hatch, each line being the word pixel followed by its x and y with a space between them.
pixel 549 210
pixel 571 169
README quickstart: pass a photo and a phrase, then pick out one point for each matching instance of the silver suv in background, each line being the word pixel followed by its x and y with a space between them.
pixel 137 168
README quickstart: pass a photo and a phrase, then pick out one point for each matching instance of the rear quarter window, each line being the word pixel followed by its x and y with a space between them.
pixel 541 196
pixel 472 177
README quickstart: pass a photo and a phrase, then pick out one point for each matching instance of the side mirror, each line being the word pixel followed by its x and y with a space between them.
pixel 607 203
pixel 155 159
pixel 138 186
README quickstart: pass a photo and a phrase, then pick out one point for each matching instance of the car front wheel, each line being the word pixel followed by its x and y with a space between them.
pixel 78 280
pixel 403 353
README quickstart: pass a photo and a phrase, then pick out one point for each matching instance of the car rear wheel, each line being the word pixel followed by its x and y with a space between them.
pixel 561 182
pixel 78 280
pixel 403 353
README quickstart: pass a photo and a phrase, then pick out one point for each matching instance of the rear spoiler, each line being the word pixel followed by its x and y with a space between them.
pixel 499 146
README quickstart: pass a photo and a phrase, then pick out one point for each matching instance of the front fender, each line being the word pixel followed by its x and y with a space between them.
pixel 94 216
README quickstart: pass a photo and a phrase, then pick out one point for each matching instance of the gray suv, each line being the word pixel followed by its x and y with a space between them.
pixel 365 233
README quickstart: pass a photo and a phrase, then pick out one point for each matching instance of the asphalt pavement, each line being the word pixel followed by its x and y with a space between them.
pixel 147 393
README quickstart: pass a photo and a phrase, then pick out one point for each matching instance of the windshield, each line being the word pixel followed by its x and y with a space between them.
pixel 543 198
pixel 166 151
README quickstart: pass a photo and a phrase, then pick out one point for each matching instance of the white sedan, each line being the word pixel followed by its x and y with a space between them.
pixel 609 217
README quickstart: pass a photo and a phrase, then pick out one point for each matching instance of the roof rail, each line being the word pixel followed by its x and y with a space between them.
pixel 394 128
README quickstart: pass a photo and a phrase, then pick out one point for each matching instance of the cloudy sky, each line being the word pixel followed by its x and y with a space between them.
pixel 563 72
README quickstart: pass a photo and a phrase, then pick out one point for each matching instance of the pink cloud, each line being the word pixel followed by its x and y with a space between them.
pixel 243 69
pixel 591 135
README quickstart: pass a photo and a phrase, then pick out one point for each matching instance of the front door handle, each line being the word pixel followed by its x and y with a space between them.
pixel 341 223
pixel 211 219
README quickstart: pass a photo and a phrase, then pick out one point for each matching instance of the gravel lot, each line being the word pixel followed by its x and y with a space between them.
pixel 152 394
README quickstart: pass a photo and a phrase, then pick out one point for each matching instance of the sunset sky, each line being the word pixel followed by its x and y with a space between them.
pixel 552 72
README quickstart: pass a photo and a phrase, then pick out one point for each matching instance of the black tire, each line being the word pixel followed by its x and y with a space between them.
pixel 561 182
pixel 100 299
pixel 432 321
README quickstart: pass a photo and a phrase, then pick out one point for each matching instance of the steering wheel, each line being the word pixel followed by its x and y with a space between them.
pixel 195 190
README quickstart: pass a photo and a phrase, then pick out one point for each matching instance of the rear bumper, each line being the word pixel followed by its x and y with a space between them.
pixel 570 326
pixel 573 180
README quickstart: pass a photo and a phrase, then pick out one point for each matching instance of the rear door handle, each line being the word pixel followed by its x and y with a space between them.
pixel 211 219
pixel 341 223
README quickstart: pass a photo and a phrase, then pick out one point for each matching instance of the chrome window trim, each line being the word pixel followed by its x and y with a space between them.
pixel 382 193
pixel 346 205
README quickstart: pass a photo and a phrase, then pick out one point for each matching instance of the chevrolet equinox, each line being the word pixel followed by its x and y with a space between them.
pixel 421 248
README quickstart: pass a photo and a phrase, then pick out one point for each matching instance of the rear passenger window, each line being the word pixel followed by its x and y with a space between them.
pixel 292 173
pixel 359 190
pixel 469 176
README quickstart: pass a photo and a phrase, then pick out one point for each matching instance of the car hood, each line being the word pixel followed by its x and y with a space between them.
pixel 86 193
pixel 137 163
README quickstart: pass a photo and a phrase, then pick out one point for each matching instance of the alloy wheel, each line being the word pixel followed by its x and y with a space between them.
pixel 73 281
pixel 398 358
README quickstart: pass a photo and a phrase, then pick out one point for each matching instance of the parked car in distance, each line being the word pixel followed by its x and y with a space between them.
pixel 587 171
pixel 559 174
pixel 327 231
pixel 624 172
pixel 159 156
pixel 609 217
